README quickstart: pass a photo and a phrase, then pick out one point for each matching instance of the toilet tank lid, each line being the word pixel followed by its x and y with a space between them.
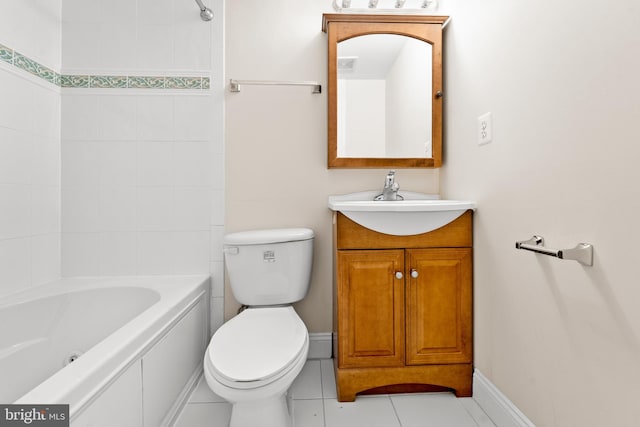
pixel 258 237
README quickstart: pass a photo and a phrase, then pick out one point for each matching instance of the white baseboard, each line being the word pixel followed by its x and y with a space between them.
pixel 320 345
pixel 496 405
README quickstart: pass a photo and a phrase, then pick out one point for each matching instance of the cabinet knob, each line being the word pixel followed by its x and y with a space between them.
pixel 414 273
pixel 398 275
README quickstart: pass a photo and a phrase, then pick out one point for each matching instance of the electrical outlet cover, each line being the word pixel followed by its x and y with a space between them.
pixel 485 129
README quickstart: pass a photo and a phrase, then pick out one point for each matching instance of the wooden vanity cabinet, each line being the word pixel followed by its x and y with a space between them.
pixel 403 309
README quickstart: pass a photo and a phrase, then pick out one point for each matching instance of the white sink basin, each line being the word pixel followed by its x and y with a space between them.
pixel 417 213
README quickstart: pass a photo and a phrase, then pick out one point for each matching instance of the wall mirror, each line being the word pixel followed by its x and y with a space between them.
pixel 384 90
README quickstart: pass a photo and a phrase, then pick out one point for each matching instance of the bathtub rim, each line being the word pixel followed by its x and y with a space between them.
pixel 94 374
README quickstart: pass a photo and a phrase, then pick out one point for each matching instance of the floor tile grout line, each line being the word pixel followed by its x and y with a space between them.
pixel 395 411
pixel 473 416
pixel 324 414
pixel 324 410
pixel 321 378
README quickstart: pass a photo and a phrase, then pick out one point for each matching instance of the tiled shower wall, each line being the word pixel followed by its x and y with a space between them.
pixel 29 147
pixel 142 168
pixel 111 149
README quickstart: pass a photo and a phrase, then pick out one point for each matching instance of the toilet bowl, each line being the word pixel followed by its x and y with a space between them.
pixel 253 359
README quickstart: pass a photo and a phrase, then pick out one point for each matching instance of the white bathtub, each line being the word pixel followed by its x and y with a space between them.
pixel 140 339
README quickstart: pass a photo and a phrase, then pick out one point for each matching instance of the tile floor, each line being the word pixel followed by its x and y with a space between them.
pixel 315 405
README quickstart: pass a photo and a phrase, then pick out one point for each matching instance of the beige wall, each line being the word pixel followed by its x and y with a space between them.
pixel 559 339
pixel 276 137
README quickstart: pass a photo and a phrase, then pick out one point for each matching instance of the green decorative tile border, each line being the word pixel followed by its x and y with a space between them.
pixel 6 54
pixel 18 60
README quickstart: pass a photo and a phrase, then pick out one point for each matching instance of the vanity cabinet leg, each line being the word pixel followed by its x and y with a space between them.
pixel 345 395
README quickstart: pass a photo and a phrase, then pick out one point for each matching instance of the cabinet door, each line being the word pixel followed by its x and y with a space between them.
pixel 439 305
pixel 370 308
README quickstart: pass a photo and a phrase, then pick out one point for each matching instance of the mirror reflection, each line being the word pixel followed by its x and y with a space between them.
pixel 384 101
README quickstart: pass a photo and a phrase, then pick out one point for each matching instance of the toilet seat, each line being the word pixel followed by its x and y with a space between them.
pixel 256 347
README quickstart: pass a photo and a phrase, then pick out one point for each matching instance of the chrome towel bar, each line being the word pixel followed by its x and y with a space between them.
pixel 234 85
pixel 583 252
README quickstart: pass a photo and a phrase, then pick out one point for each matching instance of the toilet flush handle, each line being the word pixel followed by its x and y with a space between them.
pixel 233 250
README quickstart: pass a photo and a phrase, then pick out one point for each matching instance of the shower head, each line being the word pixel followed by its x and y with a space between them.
pixel 205 13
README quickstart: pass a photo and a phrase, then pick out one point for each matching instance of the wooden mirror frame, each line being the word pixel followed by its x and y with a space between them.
pixel 340 27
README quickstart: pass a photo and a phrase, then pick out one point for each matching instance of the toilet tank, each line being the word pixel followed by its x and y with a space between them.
pixel 269 267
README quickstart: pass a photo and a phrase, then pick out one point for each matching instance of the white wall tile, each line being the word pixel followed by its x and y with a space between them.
pixel 15 264
pixel 16 155
pixel 32 28
pixel 45 35
pixel 80 163
pixel 45 258
pixel 155 12
pixel 81 11
pixel 80 118
pixel 190 252
pixel 79 41
pixel 217 207
pixel 117 117
pixel 154 47
pixel 190 50
pixel 138 168
pixel 154 253
pixel 15 205
pixel 45 209
pixel 154 209
pixel 45 114
pixel 155 118
pixel 191 208
pixel 217 234
pixel 29 148
pixel 117 163
pixel 118 253
pixel 17 96
pixel 10 21
pixel 46 161
pixel 193 118
pixel 117 45
pixel 80 254
pixel 217 172
pixel 216 270
pixel 117 209
pixel 192 163
pixel 155 163
pixel 118 11
pixel 81 209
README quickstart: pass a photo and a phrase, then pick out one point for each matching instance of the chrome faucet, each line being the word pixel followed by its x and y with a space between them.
pixel 390 190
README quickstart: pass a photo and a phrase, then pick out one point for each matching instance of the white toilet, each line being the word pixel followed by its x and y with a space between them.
pixel 253 359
